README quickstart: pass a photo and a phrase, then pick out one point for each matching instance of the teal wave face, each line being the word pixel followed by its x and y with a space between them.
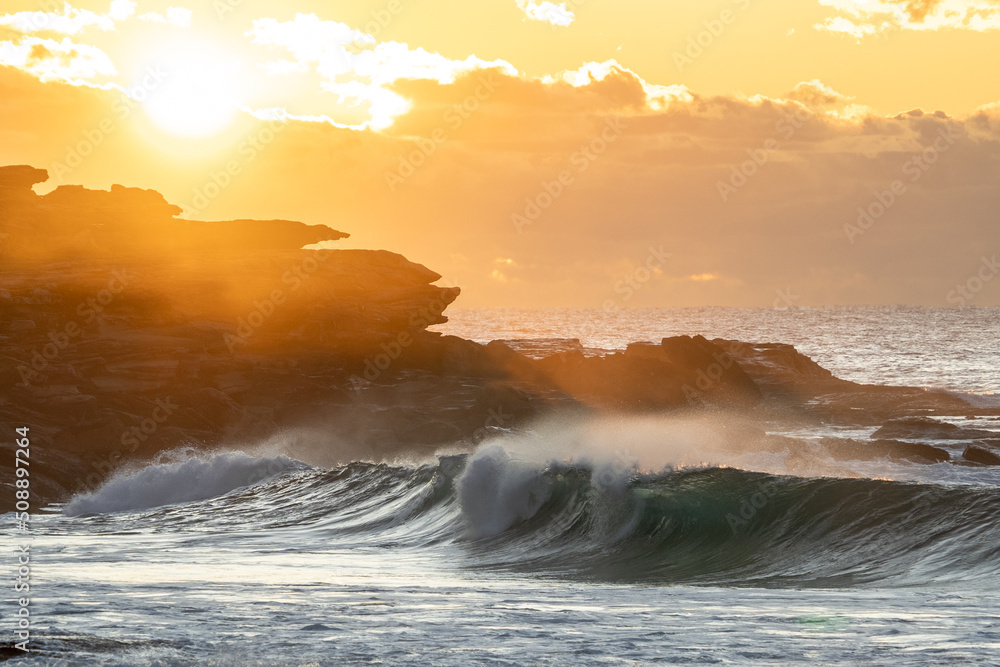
pixel 703 526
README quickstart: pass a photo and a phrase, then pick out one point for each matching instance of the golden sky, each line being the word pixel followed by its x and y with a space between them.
pixel 536 153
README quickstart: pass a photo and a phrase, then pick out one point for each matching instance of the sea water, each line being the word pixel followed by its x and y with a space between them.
pixel 601 542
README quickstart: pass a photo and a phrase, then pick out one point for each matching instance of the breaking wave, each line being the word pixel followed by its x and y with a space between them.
pixel 583 518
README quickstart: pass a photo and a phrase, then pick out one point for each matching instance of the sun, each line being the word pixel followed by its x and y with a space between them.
pixel 197 95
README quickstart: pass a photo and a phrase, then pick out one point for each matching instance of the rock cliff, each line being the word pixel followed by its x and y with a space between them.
pixel 126 331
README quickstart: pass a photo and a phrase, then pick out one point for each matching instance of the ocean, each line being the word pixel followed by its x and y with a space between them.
pixel 613 541
pixel 945 348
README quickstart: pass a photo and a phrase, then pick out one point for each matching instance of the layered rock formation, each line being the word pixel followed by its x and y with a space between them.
pixel 126 331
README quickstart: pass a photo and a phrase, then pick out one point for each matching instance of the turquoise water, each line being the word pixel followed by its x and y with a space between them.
pixel 633 541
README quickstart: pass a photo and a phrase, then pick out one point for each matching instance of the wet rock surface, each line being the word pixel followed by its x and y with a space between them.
pixel 985 453
pixel 125 332
pixel 920 428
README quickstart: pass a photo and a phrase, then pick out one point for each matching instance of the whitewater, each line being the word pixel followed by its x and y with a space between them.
pixel 586 541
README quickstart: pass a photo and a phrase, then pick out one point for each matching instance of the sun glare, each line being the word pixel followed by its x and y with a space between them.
pixel 196 97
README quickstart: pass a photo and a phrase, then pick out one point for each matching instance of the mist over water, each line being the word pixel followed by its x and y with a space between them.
pixel 189 479
pixel 246 427
pixel 593 500
pixel 658 525
pixel 621 539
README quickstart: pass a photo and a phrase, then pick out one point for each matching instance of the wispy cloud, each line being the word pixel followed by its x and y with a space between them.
pixel 353 66
pixel 656 185
pixel 556 13
pixel 69 21
pixel 63 60
pixel 862 18
pixel 177 16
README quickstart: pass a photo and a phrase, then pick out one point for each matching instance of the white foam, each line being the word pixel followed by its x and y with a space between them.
pixel 191 479
pixel 496 490
pixel 504 480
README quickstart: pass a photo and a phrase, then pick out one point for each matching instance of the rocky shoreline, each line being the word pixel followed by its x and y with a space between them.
pixel 126 332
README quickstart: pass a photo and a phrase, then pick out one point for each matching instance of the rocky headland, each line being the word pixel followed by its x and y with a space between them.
pixel 126 331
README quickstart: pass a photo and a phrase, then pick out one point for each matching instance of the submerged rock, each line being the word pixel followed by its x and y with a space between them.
pixel 859 450
pixel 983 453
pixel 127 331
pixel 925 428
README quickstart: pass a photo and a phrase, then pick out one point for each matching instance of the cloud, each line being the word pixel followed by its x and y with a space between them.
pixel 839 24
pixel 353 66
pixel 656 186
pixel 69 21
pixel 556 13
pixel 815 159
pixel 63 60
pixel 310 40
pixel 177 16
pixel 817 94
pixel 862 18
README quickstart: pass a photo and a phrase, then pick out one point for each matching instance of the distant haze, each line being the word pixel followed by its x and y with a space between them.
pixel 550 154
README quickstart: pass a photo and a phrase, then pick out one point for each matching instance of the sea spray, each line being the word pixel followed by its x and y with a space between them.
pixel 179 481
pixel 496 490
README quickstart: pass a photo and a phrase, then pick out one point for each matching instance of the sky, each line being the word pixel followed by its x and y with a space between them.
pixel 585 153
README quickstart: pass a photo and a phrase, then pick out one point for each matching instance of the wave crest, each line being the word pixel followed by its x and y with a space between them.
pixel 191 479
